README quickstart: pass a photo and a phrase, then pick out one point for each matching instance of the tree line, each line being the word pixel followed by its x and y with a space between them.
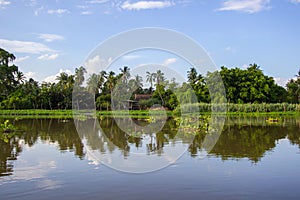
pixel 249 85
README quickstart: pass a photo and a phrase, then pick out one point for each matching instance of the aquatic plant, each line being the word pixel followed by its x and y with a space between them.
pixel 7 131
pixel 6 127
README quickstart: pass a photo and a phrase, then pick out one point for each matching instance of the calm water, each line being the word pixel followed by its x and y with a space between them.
pixel 252 159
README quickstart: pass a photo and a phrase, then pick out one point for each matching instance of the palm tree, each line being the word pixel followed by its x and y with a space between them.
pixel 20 77
pixel 159 77
pixel 125 74
pixel 79 75
pixel 6 57
pixel 62 78
pixel 101 79
pixel 136 83
pixel 111 81
pixel 150 79
pixel 65 86
pixel 92 83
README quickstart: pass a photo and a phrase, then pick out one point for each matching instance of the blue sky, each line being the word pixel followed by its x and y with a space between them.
pixel 49 36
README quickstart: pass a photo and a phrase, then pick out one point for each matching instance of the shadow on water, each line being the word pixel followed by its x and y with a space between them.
pixel 242 137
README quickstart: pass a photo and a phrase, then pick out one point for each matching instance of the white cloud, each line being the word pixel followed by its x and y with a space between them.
pixel 20 59
pixel 98 1
pixel 281 81
pixel 245 66
pixel 29 75
pixel 16 46
pixel 52 78
pixel 93 65
pixel 295 1
pixel 86 13
pixel 82 6
pixel 84 10
pixel 4 3
pixel 30 172
pixel 143 5
pixel 248 6
pixel 48 57
pixel 169 61
pixel 58 11
pixel 50 37
pixel 130 57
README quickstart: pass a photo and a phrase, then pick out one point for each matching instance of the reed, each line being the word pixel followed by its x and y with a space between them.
pixel 239 108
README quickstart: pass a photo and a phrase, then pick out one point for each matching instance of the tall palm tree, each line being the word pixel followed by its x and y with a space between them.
pixel 101 79
pixel 92 83
pixel 150 78
pixel 125 74
pixel 159 76
pixel 62 78
pixel 79 75
pixel 6 57
pixel 111 81
pixel 136 83
pixel 65 86
pixel 20 77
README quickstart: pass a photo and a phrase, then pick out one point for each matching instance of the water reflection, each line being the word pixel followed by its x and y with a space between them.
pixel 243 137
pixel 57 131
pixel 8 152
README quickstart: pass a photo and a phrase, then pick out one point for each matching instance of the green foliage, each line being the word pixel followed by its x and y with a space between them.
pixel 6 131
pixel 10 76
pixel 37 113
pixel 239 108
pixel 293 89
pixel 248 87
pixel 6 126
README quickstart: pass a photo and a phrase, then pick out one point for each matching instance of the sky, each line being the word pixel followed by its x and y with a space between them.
pixel 52 36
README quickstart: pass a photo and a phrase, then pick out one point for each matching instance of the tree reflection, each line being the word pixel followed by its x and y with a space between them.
pixel 62 132
pixel 250 138
pixel 8 152
pixel 241 138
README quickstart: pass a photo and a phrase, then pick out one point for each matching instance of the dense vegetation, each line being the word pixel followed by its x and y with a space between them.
pixel 243 86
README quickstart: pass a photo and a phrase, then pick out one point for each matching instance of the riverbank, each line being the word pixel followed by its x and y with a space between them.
pixel 134 113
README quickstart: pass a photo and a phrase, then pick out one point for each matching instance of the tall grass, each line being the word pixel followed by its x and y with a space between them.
pixel 38 112
pixel 240 108
pixel 187 108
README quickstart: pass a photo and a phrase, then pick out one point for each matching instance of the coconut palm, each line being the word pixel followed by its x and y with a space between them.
pixel 159 78
pixel 125 74
pixel 111 81
pixel 79 75
pixel 92 83
pixel 136 83
pixel 150 78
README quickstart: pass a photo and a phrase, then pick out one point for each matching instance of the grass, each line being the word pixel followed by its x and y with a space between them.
pixel 37 113
pixel 277 109
pixel 64 114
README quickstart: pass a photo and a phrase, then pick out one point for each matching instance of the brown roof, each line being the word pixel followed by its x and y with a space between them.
pixel 138 97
